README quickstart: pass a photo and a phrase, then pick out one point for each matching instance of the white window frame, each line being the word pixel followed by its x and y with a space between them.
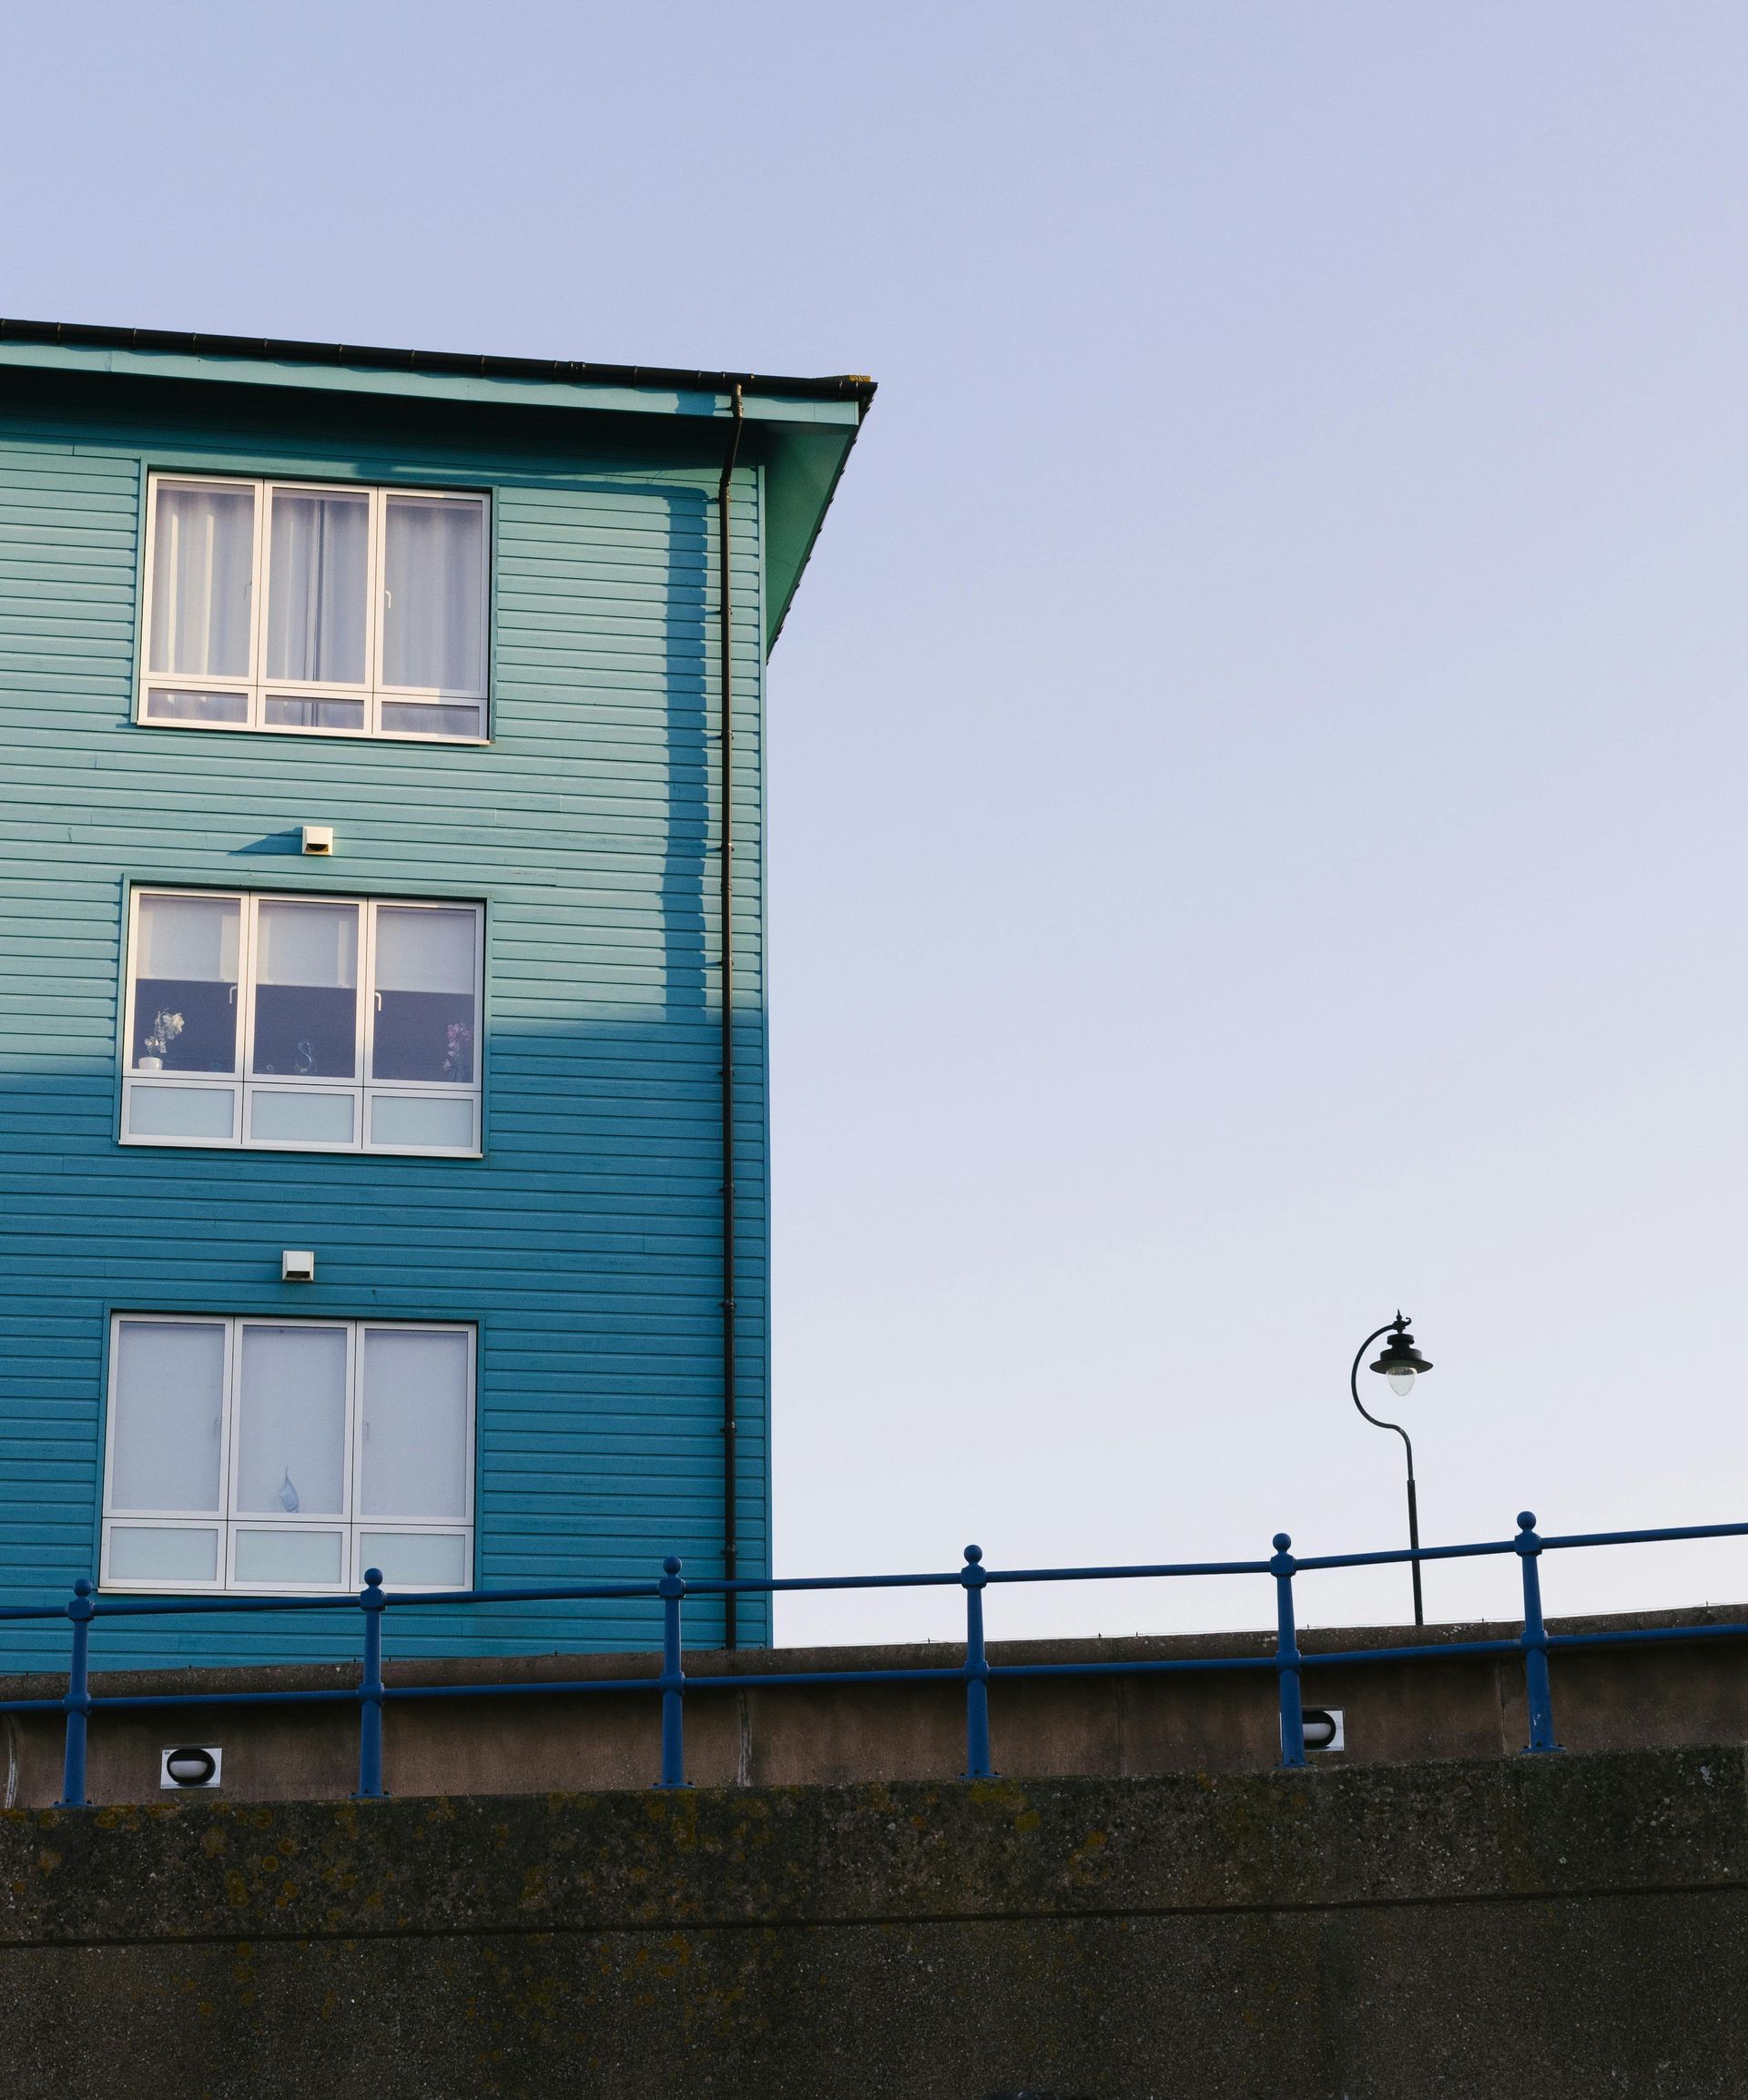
pixel 244 1085
pixel 256 687
pixel 229 1523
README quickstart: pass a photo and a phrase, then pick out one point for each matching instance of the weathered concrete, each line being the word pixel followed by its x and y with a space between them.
pixel 1608 1699
pixel 1573 1924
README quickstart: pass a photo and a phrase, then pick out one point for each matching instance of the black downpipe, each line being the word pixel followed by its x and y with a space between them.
pixel 725 599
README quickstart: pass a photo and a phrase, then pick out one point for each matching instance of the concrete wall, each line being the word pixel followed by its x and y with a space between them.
pixel 1561 1925
pixel 1456 1707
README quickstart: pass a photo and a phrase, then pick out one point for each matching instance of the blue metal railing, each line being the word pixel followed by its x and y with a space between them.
pixel 975 1674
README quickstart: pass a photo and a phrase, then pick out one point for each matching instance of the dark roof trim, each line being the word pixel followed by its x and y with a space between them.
pixel 80 335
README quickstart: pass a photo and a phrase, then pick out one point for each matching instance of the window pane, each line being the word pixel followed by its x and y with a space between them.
pixel 292 1421
pixel 441 1121
pixel 203 559
pixel 297 1560
pixel 162 706
pixel 434 606
pixel 400 719
pixel 185 985
pixel 316 586
pixel 415 1425
pixel 162 1553
pixel 169 1401
pixel 306 990
pixel 424 995
pixel 414 1559
pixel 308 1118
pixel 184 1111
pixel 283 712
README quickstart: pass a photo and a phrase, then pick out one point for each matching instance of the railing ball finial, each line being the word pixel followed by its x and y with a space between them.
pixel 82 1587
pixel 672 1565
pixel 1526 1521
pixel 372 1578
pixel 1283 1540
pixel 973 1554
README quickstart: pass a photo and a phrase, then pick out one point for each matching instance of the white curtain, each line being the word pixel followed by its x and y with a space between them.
pixel 203 559
pixel 308 943
pixel 434 632
pixel 170 1398
pixel 187 939
pixel 415 1454
pixel 317 587
pixel 292 1421
pixel 424 950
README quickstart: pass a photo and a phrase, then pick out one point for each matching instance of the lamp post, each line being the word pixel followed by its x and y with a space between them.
pixel 1398 1363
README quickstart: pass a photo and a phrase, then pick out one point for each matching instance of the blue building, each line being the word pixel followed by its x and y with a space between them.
pixel 383 1112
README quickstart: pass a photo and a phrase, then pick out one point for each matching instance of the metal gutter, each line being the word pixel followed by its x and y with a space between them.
pixel 726 905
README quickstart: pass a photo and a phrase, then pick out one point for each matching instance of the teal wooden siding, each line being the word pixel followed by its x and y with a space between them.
pixel 585 1243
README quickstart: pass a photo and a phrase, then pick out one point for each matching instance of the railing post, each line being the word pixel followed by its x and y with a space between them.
pixel 1533 1640
pixel 976 1670
pixel 671 1589
pixel 1286 1654
pixel 78 1703
pixel 369 1692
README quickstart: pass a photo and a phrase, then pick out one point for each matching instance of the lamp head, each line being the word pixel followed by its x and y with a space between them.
pixel 1399 1362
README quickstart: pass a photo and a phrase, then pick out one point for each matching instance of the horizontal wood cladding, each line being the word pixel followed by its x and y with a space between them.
pixel 585 1243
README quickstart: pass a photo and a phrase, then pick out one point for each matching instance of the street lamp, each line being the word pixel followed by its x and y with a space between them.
pixel 1400 1364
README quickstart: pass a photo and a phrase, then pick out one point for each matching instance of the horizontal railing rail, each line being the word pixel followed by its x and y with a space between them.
pixel 1531 1644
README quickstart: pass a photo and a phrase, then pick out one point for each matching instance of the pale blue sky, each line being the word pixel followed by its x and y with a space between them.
pixel 1258 758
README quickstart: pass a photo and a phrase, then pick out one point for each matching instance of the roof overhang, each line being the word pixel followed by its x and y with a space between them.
pixel 801 429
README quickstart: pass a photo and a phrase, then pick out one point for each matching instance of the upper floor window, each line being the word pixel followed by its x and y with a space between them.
pixel 340 611
pixel 286 1455
pixel 301 1023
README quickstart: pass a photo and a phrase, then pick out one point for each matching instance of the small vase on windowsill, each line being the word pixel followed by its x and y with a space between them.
pixel 150 1065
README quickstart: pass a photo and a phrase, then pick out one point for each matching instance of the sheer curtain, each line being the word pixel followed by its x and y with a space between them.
pixel 292 1422
pixel 203 560
pixel 415 1451
pixel 168 1397
pixel 318 587
pixel 433 632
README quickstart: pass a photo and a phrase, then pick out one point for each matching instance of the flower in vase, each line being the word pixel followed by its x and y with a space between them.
pixel 165 1027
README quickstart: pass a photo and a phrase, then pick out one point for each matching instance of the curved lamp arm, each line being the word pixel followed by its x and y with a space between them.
pixel 1377 1420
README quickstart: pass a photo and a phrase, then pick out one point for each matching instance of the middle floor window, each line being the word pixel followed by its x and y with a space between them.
pixel 302 1023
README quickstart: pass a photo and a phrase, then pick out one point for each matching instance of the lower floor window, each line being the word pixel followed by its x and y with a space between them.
pixel 288 1455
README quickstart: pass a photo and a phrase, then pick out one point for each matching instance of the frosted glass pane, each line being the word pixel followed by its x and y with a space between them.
pixel 313 1119
pixel 433 615
pixel 283 712
pixel 185 985
pixel 415 1454
pixel 209 1113
pixel 161 706
pixel 416 1560
pixel 162 1553
pixel 299 1559
pixel 423 1119
pixel 316 586
pixel 408 718
pixel 424 985
pixel 203 560
pixel 305 995
pixel 168 1405
pixel 292 1421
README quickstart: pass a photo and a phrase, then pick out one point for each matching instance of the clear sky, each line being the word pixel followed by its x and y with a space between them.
pixel 1258 758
